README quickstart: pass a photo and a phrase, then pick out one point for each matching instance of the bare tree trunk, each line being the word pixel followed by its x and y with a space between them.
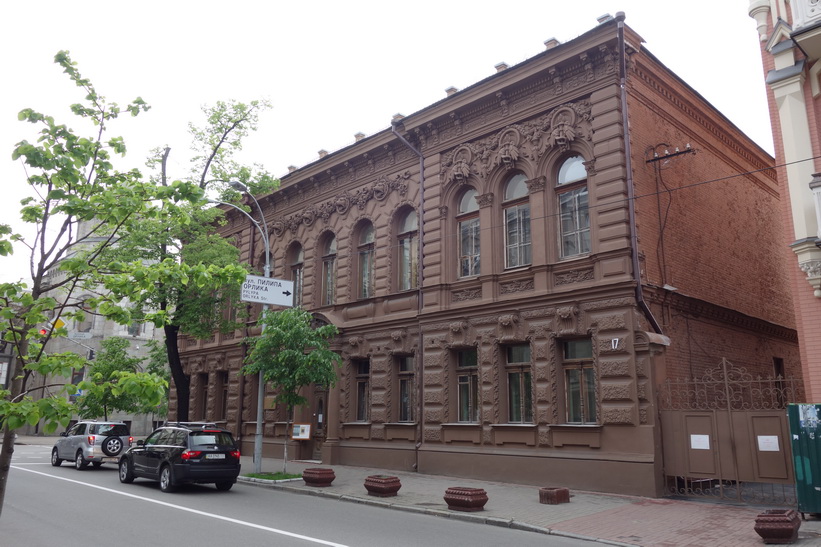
pixel 5 462
pixel 285 446
pixel 16 388
pixel 182 382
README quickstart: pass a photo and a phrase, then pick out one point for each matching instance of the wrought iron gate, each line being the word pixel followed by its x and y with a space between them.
pixel 725 435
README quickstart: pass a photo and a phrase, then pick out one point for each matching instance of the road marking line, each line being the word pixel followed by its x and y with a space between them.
pixel 188 509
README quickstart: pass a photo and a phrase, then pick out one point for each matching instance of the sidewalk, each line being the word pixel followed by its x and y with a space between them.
pixel 603 518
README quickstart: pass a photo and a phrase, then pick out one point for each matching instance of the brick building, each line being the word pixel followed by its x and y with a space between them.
pixel 516 268
pixel 790 37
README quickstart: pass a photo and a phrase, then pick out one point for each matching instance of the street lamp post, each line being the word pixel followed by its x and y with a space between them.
pixel 263 230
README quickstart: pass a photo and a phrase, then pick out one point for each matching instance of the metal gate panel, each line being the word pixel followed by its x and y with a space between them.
pixel 725 435
pixel 770 444
pixel 702 450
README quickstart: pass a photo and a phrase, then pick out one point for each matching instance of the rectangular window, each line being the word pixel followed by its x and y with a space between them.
pixel 328 280
pixel 469 247
pixel 517 236
pixel 519 389
pixel 580 381
pixel 223 381
pixel 201 407
pixel 467 377
pixel 405 373
pixel 366 272
pixel 363 376
pixel 296 277
pixel 575 222
pixel 408 259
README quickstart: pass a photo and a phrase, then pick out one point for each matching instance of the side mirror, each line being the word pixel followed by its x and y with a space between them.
pixel 64 434
pixel 141 443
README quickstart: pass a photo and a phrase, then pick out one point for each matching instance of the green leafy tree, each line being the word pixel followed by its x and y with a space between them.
pixel 194 309
pixel 79 203
pixel 103 393
pixel 157 363
pixel 292 354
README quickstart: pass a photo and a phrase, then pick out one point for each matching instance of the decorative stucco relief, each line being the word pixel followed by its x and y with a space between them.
pixel 466 294
pixel 575 276
pixel 531 139
pixel 643 416
pixel 612 368
pixel 618 392
pixel 610 322
pixel 341 204
pixel 516 286
pixel 567 319
pixel 618 416
pixel 433 434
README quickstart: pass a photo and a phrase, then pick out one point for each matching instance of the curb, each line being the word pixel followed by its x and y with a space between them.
pixel 456 515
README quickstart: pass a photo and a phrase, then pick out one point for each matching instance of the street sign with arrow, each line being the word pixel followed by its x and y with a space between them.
pixel 267 290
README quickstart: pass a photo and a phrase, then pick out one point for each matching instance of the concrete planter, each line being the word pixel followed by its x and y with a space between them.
pixel 382 486
pixel 778 526
pixel 460 498
pixel 318 476
pixel 554 495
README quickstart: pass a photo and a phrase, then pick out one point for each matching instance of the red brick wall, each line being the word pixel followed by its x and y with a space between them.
pixel 704 226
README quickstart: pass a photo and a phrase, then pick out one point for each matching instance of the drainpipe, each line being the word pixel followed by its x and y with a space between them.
pixel 634 240
pixel 420 269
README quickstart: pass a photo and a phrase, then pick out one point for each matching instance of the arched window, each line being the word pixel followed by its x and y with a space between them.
pixel 517 222
pixel 408 246
pixel 365 263
pixel 574 222
pixel 87 322
pixel 296 258
pixel 328 296
pixel 468 223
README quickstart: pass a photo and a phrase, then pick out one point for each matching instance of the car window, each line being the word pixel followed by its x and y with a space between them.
pixel 179 438
pixel 166 437
pixel 154 437
pixel 78 429
pixel 206 438
pixel 112 429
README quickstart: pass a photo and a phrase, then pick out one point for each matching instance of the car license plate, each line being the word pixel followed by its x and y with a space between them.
pixel 215 456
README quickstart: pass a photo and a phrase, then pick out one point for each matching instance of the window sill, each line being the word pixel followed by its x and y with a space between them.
pixel 574 257
pixel 462 433
pixel 355 423
pixel 513 426
pixel 517 269
pixel 401 424
pixel 577 435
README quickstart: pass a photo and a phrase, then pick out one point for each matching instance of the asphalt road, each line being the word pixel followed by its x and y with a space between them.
pixel 49 506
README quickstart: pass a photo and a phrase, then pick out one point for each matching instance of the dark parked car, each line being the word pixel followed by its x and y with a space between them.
pixel 91 442
pixel 179 453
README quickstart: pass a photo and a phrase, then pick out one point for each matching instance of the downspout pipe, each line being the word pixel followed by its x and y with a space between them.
pixel 420 273
pixel 631 194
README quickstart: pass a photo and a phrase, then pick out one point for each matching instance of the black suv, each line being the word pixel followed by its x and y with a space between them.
pixel 178 453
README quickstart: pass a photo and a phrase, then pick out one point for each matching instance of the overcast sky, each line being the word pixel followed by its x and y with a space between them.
pixel 330 68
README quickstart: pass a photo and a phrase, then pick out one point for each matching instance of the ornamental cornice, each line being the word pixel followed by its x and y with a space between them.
pixel 342 203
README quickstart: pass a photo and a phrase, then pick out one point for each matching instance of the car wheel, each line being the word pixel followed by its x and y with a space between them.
pixel 126 474
pixel 224 485
pixel 166 479
pixel 79 461
pixel 112 446
pixel 55 459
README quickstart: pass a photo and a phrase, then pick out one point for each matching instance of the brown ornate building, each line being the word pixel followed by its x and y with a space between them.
pixel 588 226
